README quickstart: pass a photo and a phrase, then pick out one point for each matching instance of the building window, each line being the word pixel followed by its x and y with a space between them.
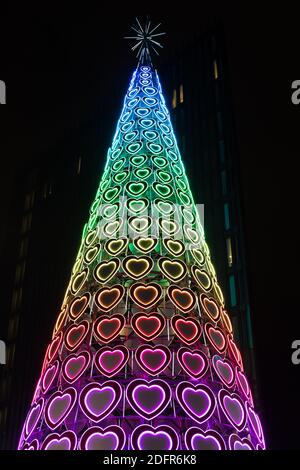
pixel 222 151
pixel 224 182
pixel 229 251
pixel 216 71
pixel 226 216
pixel 232 290
pixel 174 99
pixel 181 94
pixel 79 161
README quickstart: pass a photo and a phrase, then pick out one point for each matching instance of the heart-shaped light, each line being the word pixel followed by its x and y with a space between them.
pixel 110 194
pixel 139 224
pixel 148 399
pixel 198 255
pixel 138 160
pixel 168 227
pixel 108 297
pixel 99 400
pixel 175 270
pixel 79 305
pixel 110 210
pixel 175 247
pixel 111 228
pixel 121 176
pixel 65 441
pixel 160 162
pixel 146 437
pixel 216 337
pixel 184 299
pixel 145 244
pixel 59 406
pixel 54 347
pixel 107 328
pixel 226 321
pixel 91 253
pixel 148 326
pixel 197 439
pixel 76 334
pixel 238 443
pixel 224 370
pixel 136 188
pixel 187 329
pixel 233 408
pixel 194 362
pixel 49 376
pixel 162 190
pixel 33 417
pixel 110 438
pixel 153 359
pixel 234 352
pixel 202 278
pixel 79 280
pixel 109 361
pixel 145 295
pixel 137 267
pixel 136 206
pixel 163 176
pixel 90 237
pixel 164 207
pixel 106 270
pixel 75 365
pixel 142 173
pixel 198 401
pixel 115 246
pixel 210 307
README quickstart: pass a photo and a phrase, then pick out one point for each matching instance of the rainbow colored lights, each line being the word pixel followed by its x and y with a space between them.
pixel 142 355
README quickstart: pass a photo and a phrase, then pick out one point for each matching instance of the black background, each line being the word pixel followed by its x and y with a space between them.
pixel 60 63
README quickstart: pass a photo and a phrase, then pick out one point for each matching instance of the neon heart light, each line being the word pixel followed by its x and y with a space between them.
pixel 184 299
pixel 109 361
pixel 194 362
pixel 153 360
pixel 54 347
pixel 216 337
pixel 197 439
pixel 227 321
pixel 109 438
pixel 146 437
pixel 136 206
pixel 33 445
pixel 99 400
pixel 59 406
pixel 148 399
pixel 108 328
pixel 243 382
pixel 254 421
pixel 79 305
pixel 105 270
pixel 145 244
pixel 79 280
pixel 91 254
pixel 198 401
pixel 49 376
pixel 33 417
pixel 75 365
pixel 76 334
pixel 148 326
pixel 139 224
pixel 108 297
pixel 210 307
pixel 224 370
pixel 237 443
pixel 137 267
pixel 173 270
pixel 115 246
pixel 145 295
pixel 202 278
pixel 235 353
pixel 65 441
pixel 233 408
pixel 175 247
pixel 187 329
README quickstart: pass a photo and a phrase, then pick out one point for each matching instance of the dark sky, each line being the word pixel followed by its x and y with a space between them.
pixel 61 65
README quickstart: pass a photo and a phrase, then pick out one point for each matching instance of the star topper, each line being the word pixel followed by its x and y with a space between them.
pixel 145 41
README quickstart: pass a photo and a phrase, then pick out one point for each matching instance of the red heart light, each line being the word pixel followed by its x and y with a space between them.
pixel 107 328
pixel 184 299
pixel 153 360
pixel 75 335
pixel 187 329
pixel 109 361
pixel 148 326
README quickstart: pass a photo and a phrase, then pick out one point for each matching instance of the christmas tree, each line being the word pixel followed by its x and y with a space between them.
pixel 143 355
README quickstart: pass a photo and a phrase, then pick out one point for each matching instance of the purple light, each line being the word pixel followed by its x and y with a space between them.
pixel 59 407
pixel 197 400
pixel 146 437
pixel 65 441
pixel 75 365
pixel 233 408
pixel 99 400
pixel 96 438
pixel 197 439
pixel 148 399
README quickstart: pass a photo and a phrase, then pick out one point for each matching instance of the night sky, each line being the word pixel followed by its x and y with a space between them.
pixel 60 64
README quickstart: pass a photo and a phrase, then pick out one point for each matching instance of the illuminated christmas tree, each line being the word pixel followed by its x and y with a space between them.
pixel 143 354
